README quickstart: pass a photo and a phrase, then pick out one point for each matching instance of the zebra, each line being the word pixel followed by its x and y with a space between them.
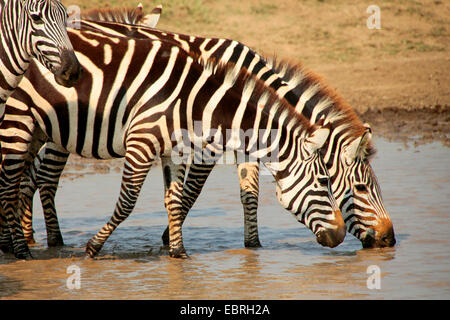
pixel 33 29
pixel 28 187
pixel 357 190
pixel 137 113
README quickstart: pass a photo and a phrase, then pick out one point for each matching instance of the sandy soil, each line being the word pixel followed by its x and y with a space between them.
pixel 396 77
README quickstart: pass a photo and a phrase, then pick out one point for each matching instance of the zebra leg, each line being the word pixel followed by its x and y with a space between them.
pixel 11 171
pixel 42 171
pixel 54 160
pixel 27 188
pixel 173 185
pixel 249 184
pixel 196 178
pixel 18 151
pixel 6 245
pixel 133 177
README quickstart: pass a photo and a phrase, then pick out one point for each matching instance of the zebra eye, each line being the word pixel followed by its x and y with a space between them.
pixel 36 17
pixel 361 187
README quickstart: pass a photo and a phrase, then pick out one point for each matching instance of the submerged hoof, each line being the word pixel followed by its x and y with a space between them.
pixel 92 248
pixel 253 244
pixel 23 255
pixel 55 241
pixel 6 248
pixel 179 253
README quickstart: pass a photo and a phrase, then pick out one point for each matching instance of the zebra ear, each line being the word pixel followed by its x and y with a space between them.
pixel 316 140
pixel 151 20
pixel 358 147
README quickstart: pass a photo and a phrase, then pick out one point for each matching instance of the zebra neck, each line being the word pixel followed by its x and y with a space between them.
pixel 13 60
pixel 333 152
pixel 12 69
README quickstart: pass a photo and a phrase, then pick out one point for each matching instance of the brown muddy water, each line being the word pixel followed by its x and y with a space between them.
pixel 291 265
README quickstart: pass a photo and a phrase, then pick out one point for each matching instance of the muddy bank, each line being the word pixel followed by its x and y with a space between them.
pixel 416 125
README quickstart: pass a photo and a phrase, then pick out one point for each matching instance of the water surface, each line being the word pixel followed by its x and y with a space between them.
pixel 291 265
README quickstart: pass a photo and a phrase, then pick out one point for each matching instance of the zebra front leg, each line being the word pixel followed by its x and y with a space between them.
pixel 54 159
pixel 195 180
pixel 173 185
pixel 9 203
pixel 15 152
pixel 249 184
pixel 5 236
pixel 134 174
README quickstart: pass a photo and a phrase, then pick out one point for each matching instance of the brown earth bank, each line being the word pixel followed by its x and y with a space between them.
pixel 420 125
pixel 396 77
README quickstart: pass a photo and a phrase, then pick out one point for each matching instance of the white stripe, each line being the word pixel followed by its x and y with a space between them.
pixel 306 95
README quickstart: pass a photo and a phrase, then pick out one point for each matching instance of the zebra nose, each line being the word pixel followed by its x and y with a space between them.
pixel 333 237
pixel 382 237
pixel 70 71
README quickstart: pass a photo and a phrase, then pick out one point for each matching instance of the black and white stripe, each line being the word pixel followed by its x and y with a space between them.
pixel 368 219
pixel 32 29
pixel 135 94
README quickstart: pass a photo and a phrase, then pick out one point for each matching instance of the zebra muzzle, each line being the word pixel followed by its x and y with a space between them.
pixel 384 238
pixel 70 71
pixel 333 237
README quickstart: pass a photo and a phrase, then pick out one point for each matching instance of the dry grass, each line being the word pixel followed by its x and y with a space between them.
pixel 312 30
pixel 403 64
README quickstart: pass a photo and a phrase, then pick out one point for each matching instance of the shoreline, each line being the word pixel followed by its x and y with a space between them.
pixel 415 125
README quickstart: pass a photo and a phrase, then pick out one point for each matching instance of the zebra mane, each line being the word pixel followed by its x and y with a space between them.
pixel 119 15
pixel 338 111
pixel 262 94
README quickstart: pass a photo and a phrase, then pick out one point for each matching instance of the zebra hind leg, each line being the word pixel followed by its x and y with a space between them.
pixel 195 180
pixel 173 185
pixel 28 187
pixel 249 184
pixel 6 245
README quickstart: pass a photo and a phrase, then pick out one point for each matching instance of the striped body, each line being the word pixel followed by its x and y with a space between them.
pixel 354 183
pixel 121 110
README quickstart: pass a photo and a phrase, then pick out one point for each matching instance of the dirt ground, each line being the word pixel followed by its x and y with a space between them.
pixel 396 77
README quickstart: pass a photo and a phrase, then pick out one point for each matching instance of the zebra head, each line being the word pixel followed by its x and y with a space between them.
pixel 304 189
pixel 43 35
pixel 360 199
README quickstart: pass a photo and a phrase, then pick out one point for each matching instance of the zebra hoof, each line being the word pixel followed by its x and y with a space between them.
pixel 55 241
pixel 253 244
pixel 179 253
pixel 6 249
pixel 25 255
pixel 92 248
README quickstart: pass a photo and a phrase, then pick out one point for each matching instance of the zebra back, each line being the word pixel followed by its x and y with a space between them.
pixel 124 15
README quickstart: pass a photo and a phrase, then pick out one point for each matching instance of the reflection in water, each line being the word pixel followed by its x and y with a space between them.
pixel 291 265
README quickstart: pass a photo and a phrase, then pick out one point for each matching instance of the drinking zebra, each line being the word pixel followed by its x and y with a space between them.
pixel 354 183
pixel 33 29
pixel 135 98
